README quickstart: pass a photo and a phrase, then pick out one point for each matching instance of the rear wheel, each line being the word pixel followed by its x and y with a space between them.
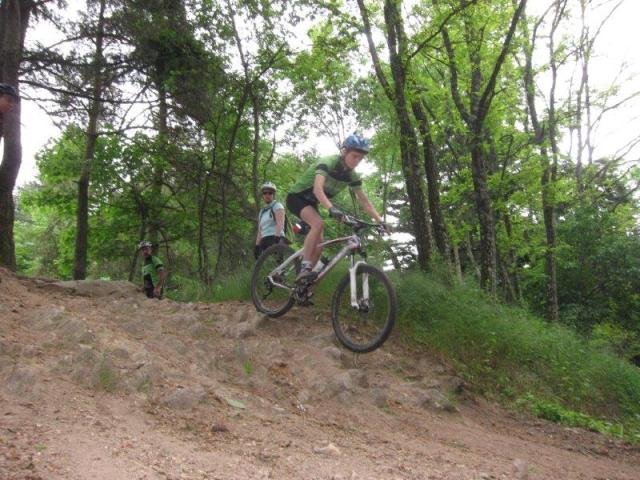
pixel 364 327
pixel 273 296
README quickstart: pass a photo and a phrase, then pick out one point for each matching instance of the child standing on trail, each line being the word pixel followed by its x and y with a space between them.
pixel 153 272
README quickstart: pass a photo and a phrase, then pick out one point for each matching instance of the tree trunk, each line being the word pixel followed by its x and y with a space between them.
pixel 203 256
pixel 547 180
pixel 433 183
pixel 158 169
pixel 82 223
pixel 474 116
pixel 409 155
pixel 471 256
pixel 456 262
pixel 488 279
pixel 14 18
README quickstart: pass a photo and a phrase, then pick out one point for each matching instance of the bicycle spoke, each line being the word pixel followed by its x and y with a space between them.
pixel 365 326
pixel 271 289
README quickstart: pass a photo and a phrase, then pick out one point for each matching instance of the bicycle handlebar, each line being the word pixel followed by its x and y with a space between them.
pixel 358 224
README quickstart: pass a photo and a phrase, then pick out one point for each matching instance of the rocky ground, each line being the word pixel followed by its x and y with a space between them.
pixel 98 382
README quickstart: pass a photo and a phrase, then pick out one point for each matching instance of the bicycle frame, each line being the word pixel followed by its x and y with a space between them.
pixel 352 243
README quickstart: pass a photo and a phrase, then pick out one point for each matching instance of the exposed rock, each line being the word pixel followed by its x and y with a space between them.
pixel 239 330
pixel 9 349
pixel 329 449
pixel 324 340
pixel 380 397
pixel 47 318
pixel 74 331
pixel 199 331
pixel 174 343
pixel 303 396
pixel 184 398
pixel 520 469
pixel 95 288
pixel 433 398
pixel 183 321
pixel 346 382
pixel 332 352
pixel 235 403
pixel 22 381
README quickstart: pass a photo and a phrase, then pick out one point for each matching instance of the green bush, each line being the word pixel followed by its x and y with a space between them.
pixel 235 286
pixel 508 352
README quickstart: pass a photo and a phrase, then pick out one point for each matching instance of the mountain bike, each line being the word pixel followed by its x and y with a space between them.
pixel 363 308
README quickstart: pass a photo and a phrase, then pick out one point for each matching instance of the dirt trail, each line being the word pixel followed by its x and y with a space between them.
pixel 97 382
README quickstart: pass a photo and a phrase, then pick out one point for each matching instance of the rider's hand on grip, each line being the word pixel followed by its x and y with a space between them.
pixel 336 213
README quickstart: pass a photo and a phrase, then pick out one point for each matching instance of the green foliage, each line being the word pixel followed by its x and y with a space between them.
pixel 506 351
pixel 248 367
pixel 556 413
pixel 615 339
pixel 599 268
pixel 234 286
pixel 107 378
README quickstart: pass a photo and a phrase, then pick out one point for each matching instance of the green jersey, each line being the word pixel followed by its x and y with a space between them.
pixel 337 178
pixel 151 265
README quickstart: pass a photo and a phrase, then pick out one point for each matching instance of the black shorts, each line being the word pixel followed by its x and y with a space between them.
pixel 266 242
pixel 297 201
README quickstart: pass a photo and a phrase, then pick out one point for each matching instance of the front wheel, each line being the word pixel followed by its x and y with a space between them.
pixel 365 326
pixel 271 286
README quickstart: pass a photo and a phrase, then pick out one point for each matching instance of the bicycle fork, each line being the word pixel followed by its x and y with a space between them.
pixel 353 284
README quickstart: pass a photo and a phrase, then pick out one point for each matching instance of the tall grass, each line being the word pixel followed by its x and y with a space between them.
pixel 508 352
pixel 233 286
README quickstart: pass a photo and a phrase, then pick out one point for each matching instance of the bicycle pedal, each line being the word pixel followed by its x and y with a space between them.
pixel 303 296
pixel 307 280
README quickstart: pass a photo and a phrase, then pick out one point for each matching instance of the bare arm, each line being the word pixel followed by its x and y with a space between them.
pixel 364 202
pixel 279 214
pixel 162 274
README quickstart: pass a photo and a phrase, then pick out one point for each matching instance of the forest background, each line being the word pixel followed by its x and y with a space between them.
pixel 492 157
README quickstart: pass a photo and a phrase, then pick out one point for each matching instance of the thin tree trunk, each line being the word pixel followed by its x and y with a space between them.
pixel 82 223
pixel 547 180
pixel 256 149
pixel 158 169
pixel 484 211
pixel 456 261
pixel 134 260
pixel 471 256
pixel 433 183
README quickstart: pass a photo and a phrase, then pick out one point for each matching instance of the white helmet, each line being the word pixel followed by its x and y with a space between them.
pixel 144 243
pixel 269 186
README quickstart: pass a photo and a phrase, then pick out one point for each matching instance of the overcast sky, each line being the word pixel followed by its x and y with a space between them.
pixel 617 45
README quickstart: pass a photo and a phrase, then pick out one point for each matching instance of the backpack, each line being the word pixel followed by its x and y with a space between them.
pixel 286 233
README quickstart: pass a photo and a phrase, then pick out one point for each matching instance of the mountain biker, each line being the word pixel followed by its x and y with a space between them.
pixel 9 98
pixel 152 269
pixel 317 185
pixel 270 220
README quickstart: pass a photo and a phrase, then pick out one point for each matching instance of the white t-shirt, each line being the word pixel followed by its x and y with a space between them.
pixel 267 221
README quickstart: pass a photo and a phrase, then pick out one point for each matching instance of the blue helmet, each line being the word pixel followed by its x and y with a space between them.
pixel 356 142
